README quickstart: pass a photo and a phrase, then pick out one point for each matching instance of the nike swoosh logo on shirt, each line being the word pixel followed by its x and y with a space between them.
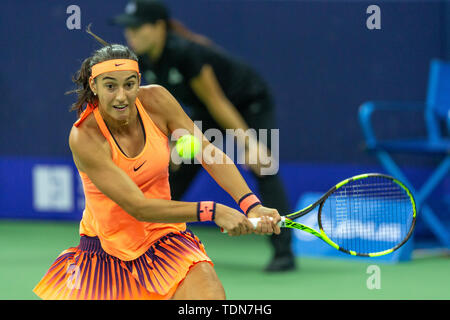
pixel 136 169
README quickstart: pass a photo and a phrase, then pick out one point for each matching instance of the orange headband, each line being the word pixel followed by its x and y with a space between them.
pixel 114 65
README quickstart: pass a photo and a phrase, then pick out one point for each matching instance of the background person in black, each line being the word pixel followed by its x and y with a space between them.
pixel 215 88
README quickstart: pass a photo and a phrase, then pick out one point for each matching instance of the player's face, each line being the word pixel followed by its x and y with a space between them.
pixel 117 91
pixel 144 38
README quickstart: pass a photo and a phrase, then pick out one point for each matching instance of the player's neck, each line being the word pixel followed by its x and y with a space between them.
pixel 121 127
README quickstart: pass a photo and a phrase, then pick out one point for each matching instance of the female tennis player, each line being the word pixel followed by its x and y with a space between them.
pixel 134 242
pixel 214 87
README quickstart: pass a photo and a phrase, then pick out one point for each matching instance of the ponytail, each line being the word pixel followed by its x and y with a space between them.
pixel 96 37
pixel 83 90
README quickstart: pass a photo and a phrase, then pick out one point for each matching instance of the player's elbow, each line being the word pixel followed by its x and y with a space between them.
pixel 147 209
pixel 135 208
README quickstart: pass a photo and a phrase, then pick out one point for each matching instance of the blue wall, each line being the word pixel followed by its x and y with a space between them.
pixel 318 56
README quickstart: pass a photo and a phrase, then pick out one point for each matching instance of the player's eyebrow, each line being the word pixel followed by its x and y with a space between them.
pixel 114 79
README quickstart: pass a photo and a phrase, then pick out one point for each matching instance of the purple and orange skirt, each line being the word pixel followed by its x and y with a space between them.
pixel 87 272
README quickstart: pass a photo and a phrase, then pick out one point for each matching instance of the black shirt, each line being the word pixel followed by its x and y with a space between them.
pixel 182 60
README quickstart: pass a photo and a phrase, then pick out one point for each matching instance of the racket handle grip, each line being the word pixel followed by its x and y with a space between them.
pixel 255 221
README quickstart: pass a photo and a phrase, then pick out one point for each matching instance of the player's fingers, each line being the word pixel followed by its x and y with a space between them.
pixel 273 226
pixel 249 227
pixel 258 228
pixel 243 229
pixel 234 231
pixel 276 218
pixel 265 225
pixel 276 229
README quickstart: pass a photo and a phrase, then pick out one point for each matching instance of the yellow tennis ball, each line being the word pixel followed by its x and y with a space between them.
pixel 188 146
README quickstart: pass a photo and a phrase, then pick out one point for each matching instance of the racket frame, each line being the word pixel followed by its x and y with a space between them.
pixel 287 221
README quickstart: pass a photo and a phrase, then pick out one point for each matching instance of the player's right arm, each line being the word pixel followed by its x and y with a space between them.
pixel 92 156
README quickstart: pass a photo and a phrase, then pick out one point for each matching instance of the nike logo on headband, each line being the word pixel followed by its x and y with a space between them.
pixel 118 64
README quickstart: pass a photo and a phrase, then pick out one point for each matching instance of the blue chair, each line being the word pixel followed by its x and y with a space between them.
pixel 436 111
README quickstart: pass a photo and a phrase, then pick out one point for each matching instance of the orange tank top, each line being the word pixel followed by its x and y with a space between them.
pixel 120 234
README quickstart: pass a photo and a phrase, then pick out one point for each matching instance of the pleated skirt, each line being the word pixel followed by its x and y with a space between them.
pixel 87 272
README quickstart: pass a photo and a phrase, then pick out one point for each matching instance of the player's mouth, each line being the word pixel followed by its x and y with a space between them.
pixel 121 107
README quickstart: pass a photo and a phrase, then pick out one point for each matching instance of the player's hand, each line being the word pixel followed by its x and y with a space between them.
pixel 269 220
pixel 233 221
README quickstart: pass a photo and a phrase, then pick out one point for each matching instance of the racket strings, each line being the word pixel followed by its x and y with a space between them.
pixel 368 215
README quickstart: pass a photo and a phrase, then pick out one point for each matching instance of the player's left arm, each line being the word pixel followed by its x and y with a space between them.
pixel 215 161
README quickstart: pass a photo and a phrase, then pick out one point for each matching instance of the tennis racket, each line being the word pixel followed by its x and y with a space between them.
pixel 367 215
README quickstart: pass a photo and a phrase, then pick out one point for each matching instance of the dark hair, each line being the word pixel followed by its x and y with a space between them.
pixel 81 78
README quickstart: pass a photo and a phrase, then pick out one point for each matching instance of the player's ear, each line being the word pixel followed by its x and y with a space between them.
pixel 93 85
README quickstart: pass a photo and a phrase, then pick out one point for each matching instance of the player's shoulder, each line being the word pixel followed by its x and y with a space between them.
pixel 154 97
pixel 160 105
pixel 86 135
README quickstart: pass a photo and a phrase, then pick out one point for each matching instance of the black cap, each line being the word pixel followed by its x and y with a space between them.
pixel 138 12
